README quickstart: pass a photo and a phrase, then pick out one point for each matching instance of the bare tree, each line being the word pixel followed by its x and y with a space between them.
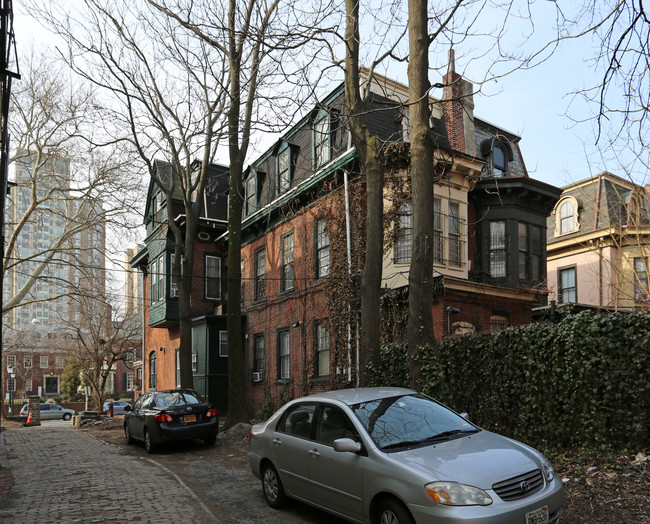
pixel 165 95
pixel 100 344
pixel 260 43
pixel 62 185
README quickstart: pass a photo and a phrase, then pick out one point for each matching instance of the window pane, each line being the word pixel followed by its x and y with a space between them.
pixel 283 354
pixel 568 286
pixel 212 277
pixel 321 141
pixel 497 249
pixel 455 255
pixel 284 172
pixel 260 273
pixel 438 252
pixel 323 351
pixel 523 251
pixel 322 250
pixel 259 353
pixel 499 159
pixel 566 217
pixel 223 343
pixel 287 263
pixel 404 241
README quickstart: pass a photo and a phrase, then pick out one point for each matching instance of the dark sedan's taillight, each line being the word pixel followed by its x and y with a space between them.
pixel 211 413
pixel 163 417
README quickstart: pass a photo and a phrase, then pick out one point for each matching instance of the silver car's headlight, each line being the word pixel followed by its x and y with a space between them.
pixel 455 494
pixel 547 468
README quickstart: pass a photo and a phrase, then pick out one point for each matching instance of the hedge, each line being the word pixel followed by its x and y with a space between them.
pixel 581 382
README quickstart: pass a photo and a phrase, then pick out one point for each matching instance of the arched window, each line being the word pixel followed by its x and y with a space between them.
pixel 499 161
pixel 152 370
pixel 566 216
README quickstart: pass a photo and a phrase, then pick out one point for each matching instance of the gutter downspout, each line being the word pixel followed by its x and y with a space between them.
pixel 348 240
pixel 600 248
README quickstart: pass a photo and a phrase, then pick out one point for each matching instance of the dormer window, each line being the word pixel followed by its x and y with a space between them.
pixel 566 216
pixel 250 193
pixel 284 169
pixel 321 140
pixel 499 161
pixel 498 153
pixel 404 124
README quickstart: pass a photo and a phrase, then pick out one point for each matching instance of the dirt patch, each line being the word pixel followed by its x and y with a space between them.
pixel 605 488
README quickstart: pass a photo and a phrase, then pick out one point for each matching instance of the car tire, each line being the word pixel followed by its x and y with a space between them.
pixel 148 443
pixel 393 512
pixel 67 416
pixel 272 487
pixel 210 441
pixel 127 434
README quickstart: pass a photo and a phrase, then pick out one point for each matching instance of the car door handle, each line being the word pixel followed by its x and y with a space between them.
pixel 277 442
pixel 314 453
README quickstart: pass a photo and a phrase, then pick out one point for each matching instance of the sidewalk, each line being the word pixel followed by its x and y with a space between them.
pixel 62 475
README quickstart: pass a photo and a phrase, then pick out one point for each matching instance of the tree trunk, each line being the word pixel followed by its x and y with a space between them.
pixel 185 308
pixel 420 320
pixel 366 147
pixel 237 404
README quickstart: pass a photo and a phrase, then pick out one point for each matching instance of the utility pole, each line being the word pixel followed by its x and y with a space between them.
pixel 8 48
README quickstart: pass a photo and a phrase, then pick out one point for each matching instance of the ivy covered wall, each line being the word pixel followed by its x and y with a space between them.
pixel 581 382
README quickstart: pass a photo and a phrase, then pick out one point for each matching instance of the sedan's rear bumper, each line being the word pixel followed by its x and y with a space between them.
pixel 202 430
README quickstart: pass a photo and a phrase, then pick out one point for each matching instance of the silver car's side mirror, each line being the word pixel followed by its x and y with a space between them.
pixel 465 416
pixel 347 445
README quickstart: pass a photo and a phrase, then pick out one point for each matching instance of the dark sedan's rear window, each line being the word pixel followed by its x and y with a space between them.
pixel 176 398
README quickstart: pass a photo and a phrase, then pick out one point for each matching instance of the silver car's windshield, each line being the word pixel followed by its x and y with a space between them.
pixel 409 420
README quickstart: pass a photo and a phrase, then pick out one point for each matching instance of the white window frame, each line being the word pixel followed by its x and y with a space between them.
pixel 323 249
pixel 223 343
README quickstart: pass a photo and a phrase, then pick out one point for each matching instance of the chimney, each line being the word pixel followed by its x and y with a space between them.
pixel 458 110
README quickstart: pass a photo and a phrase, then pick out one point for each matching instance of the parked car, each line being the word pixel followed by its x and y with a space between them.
pixel 51 411
pixel 175 414
pixel 118 406
pixel 392 455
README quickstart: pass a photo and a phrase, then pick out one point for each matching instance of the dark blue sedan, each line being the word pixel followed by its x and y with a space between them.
pixel 176 414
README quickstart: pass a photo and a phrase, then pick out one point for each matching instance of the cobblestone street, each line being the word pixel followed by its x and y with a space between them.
pixel 67 475
pixel 63 475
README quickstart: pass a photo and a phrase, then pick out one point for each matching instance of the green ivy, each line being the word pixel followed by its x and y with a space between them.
pixel 582 382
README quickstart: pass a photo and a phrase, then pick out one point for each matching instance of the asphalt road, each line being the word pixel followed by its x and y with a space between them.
pixel 63 474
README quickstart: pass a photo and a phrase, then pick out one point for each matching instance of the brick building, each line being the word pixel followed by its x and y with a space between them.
pixel 303 242
pixel 161 335
pixel 304 236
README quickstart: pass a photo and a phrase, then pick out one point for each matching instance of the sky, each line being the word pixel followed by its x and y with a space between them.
pixel 531 103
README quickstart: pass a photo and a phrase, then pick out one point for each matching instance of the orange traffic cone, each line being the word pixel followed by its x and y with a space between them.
pixel 29 418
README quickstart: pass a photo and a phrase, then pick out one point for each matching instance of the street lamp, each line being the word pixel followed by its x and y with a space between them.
pixel 12 376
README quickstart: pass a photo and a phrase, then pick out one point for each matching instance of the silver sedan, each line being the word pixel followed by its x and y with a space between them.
pixel 393 456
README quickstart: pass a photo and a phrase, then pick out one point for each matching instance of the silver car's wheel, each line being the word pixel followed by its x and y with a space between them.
pixel 67 416
pixel 392 512
pixel 272 487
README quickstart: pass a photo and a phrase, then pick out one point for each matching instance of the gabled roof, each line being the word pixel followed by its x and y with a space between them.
pixel 216 186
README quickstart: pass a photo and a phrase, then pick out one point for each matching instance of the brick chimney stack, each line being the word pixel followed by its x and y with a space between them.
pixel 452 106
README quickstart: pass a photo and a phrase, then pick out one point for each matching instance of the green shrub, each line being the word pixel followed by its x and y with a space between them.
pixel 582 382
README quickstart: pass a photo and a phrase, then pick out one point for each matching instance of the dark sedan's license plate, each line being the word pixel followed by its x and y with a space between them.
pixel 189 418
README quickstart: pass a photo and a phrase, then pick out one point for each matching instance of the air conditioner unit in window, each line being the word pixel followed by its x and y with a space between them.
pixel 257 376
